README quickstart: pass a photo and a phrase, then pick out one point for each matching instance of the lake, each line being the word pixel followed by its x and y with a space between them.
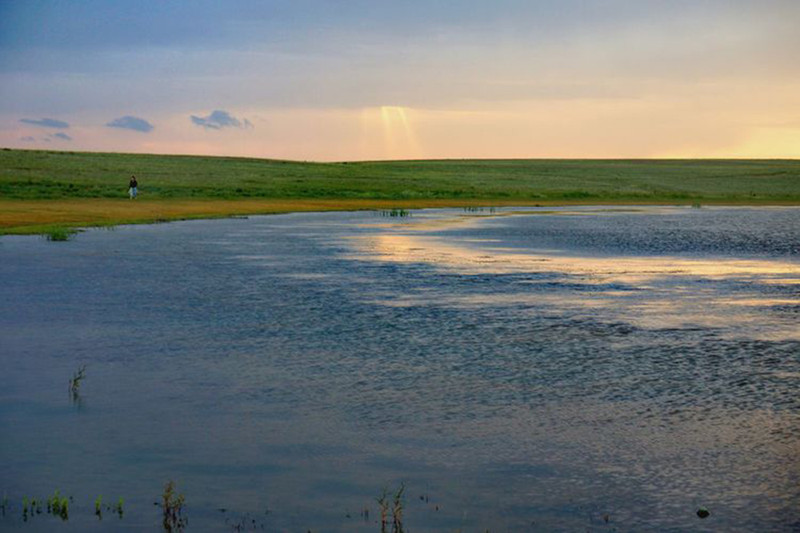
pixel 600 368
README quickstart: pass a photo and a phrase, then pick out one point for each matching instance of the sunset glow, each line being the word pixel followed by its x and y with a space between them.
pixel 304 80
pixel 401 142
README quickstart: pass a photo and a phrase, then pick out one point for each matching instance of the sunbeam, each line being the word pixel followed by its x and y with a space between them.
pixel 400 141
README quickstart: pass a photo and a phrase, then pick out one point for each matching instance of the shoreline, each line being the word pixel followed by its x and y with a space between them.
pixel 34 217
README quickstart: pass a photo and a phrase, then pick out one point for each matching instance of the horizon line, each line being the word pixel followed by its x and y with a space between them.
pixel 403 160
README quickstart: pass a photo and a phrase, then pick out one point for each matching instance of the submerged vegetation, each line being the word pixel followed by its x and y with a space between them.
pixel 47 192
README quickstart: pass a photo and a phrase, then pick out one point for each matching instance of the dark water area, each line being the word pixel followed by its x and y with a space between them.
pixel 550 370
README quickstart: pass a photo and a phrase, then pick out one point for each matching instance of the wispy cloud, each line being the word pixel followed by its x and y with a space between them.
pixel 131 123
pixel 46 123
pixel 219 119
pixel 60 136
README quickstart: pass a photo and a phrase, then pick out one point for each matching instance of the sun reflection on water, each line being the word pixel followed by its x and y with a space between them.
pixel 658 291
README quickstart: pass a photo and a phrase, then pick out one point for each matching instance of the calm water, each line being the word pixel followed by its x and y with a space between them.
pixel 517 370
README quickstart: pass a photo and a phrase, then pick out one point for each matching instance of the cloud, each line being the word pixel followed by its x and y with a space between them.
pixel 220 119
pixel 48 138
pixel 46 123
pixel 131 123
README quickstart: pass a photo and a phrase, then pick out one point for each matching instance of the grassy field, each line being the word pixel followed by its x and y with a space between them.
pixel 42 188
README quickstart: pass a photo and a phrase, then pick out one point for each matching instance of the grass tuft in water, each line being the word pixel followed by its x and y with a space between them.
pixel 477 209
pixel 397 510
pixel 172 507
pixel 75 382
pixel 59 233
pixel 383 505
pixel 58 506
pixel 395 212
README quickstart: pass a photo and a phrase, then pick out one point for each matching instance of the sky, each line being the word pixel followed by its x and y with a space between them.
pixel 335 80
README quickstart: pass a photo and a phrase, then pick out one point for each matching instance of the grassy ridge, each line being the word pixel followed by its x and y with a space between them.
pixel 41 188
pixel 52 175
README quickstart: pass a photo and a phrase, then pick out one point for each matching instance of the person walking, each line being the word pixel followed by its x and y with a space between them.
pixel 132 187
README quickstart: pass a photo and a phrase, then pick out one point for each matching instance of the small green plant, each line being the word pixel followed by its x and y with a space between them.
pixel 98 507
pixel 59 233
pixel 75 381
pixel 4 504
pixel 58 506
pixel 172 507
pixel 118 507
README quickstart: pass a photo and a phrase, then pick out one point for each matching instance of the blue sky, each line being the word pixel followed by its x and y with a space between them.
pixel 312 79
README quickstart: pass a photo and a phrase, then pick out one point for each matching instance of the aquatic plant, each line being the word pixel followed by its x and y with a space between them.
pixel 30 506
pixel 4 504
pixel 58 506
pixel 75 381
pixel 397 510
pixel 98 507
pixel 383 505
pixel 475 209
pixel 396 213
pixel 172 507
pixel 118 507
pixel 59 233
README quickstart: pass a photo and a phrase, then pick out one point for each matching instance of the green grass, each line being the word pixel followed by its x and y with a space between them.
pixel 35 175
pixel 58 233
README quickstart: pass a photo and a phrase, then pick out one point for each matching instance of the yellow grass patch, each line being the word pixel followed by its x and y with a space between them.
pixel 31 216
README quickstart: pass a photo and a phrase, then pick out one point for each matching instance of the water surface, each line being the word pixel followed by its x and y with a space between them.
pixel 541 370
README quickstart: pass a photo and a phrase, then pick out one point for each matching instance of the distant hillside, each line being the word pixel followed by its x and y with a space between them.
pixel 30 175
